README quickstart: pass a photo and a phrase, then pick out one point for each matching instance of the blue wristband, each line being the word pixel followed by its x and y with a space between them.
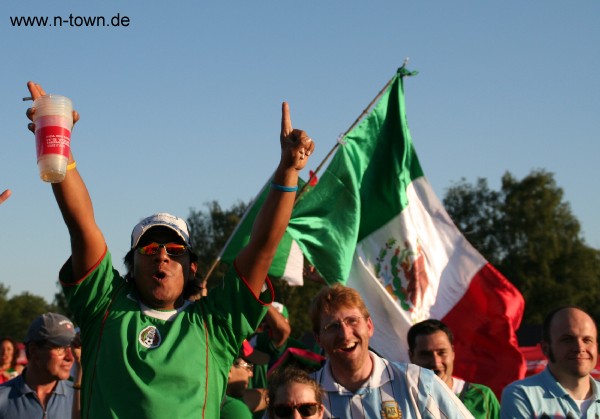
pixel 284 188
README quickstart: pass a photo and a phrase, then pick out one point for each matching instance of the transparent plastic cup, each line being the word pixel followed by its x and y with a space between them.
pixel 53 120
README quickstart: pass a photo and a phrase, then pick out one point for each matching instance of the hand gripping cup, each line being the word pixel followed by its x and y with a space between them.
pixel 53 120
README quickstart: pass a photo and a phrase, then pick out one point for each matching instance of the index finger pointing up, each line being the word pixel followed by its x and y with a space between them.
pixel 286 121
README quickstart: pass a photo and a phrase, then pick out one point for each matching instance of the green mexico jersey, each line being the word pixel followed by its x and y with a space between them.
pixel 480 400
pixel 145 363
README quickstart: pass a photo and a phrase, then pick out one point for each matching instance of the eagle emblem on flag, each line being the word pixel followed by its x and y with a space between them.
pixel 401 270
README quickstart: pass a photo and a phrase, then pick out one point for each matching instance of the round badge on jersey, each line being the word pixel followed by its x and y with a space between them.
pixel 150 337
pixel 390 410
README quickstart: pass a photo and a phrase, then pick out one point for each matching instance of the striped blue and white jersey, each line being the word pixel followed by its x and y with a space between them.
pixel 394 390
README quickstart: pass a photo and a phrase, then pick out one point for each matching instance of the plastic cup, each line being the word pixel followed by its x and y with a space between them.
pixel 53 120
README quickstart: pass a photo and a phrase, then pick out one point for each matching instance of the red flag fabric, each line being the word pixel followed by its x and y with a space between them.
pixel 488 313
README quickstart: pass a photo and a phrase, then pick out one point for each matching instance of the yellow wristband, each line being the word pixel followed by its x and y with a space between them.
pixel 72 165
pixel 77 386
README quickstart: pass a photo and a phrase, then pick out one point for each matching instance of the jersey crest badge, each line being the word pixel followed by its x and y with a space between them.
pixel 390 410
pixel 150 337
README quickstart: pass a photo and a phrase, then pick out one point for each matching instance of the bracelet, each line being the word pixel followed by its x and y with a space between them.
pixel 77 386
pixel 72 165
pixel 284 188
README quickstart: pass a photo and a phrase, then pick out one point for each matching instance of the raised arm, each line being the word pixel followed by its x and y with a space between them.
pixel 254 260
pixel 87 241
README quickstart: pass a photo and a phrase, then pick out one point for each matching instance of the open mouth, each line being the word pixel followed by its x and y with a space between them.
pixel 349 347
pixel 159 276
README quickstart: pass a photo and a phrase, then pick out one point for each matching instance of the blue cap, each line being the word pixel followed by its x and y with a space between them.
pixel 51 327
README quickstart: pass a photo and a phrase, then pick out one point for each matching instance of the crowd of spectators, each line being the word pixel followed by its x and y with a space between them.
pixel 148 347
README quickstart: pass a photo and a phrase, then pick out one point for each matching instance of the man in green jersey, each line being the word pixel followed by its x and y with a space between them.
pixel 431 345
pixel 148 352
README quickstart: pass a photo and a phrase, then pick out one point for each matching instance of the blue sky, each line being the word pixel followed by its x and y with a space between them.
pixel 182 106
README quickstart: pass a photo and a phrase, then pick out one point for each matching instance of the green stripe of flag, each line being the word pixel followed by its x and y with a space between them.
pixel 241 236
pixel 363 188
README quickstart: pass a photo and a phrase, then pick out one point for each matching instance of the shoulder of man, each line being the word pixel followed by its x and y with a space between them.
pixel 596 384
pixel 65 386
pixel 536 380
pixel 14 383
pixel 10 391
pixel 235 409
pixel 415 376
pixel 480 400
pixel 515 394
pixel 479 388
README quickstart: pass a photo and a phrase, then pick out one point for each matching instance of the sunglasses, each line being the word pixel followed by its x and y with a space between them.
pixel 243 364
pixel 287 410
pixel 172 249
pixel 59 350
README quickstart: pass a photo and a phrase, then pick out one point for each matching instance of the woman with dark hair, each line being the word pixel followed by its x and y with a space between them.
pixel 9 352
pixel 294 394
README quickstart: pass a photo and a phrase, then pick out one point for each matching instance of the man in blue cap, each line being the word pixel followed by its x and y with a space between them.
pixel 43 389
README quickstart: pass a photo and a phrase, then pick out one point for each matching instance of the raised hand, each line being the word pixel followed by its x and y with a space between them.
pixel 254 260
pixel 296 145
pixel 37 91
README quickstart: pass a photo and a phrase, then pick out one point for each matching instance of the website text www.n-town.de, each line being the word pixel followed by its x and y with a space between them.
pixel 73 21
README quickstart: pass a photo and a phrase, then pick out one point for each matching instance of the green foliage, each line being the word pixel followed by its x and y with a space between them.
pixel 475 210
pixel 529 233
pixel 18 312
pixel 297 300
pixel 210 231
pixel 60 303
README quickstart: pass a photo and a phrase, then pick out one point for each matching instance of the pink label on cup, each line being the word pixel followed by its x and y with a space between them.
pixel 52 140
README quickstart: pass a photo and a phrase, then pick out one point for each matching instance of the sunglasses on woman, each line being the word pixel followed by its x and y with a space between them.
pixel 286 410
pixel 172 249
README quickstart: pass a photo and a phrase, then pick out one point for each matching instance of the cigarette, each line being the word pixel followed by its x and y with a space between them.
pixel 27 98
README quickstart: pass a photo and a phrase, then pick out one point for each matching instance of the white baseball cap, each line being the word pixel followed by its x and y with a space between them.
pixel 178 225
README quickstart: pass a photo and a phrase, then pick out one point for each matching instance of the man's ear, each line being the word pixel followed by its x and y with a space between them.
pixel 193 269
pixel 370 327
pixel 410 355
pixel 545 348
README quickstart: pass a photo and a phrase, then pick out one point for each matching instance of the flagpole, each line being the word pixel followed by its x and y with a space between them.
pixel 340 139
pixel 319 167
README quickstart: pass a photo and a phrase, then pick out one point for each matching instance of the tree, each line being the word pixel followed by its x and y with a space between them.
pixel 60 303
pixel 529 233
pixel 297 300
pixel 210 231
pixel 18 312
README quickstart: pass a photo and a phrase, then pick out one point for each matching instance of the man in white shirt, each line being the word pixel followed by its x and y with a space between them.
pixel 565 388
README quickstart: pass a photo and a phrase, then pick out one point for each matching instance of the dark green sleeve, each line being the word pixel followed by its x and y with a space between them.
pixel 235 409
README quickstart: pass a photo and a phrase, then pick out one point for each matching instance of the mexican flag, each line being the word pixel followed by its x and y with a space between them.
pixel 374 223
pixel 288 263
